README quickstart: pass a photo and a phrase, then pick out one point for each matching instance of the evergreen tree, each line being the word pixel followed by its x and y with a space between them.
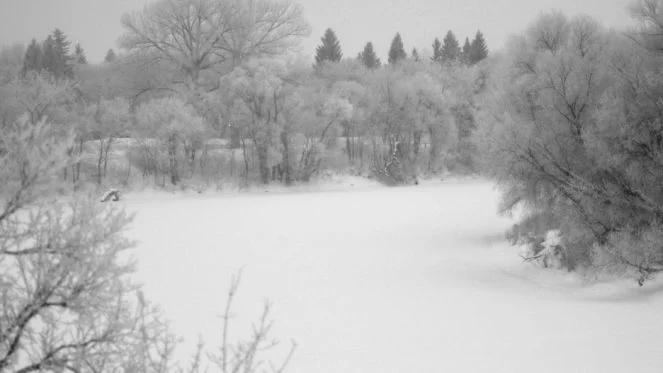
pixel 479 50
pixel 61 68
pixel 369 58
pixel 79 55
pixel 33 58
pixel 451 49
pixel 49 56
pixel 397 51
pixel 330 49
pixel 467 50
pixel 110 56
pixel 437 51
pixel 415 54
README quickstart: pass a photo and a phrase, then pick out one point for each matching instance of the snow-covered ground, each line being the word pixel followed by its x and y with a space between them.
pixel 372 279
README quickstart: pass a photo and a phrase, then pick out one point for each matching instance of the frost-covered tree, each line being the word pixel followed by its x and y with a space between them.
pixel 315 111
pixel 196 36
pixel 106 121
pixel 64 278
pixel 649 14
pixel 256 100
pixel 570 134
pixel 409 103
pixel 173 123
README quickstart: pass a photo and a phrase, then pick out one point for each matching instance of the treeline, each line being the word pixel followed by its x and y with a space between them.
pixel 445 53
pixel 571 127
pixel 184 107
pixel 53 56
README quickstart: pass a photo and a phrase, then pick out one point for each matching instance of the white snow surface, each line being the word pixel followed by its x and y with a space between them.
pixel 373 279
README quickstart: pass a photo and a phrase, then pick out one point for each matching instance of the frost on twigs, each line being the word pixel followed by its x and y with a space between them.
pixel 550 253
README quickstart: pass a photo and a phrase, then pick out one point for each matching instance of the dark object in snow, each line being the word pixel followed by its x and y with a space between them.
pixel 111 195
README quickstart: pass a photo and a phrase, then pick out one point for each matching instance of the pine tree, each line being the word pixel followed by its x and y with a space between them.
pixel 368 57
pixel 415 54
pixel 329 50
pixel 467 50
pixel 61 68
pixel 451 49
pixel 49 57
pixel 479 50
pixel 110 56
pixel 79 55
pixel 397 51
pixel 437 51
pixel 33 58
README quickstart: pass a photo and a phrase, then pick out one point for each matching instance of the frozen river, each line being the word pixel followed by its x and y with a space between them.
pixel 372 279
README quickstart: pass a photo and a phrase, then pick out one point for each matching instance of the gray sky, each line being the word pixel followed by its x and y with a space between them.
pixel 96 23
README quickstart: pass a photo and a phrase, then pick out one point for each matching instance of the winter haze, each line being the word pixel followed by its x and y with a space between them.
pixel 308 186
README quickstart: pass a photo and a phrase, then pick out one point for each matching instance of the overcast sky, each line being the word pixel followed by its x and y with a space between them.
pixel 96 23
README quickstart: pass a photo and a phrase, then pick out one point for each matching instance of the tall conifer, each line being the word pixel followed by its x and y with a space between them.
pixel 450 49
pixel 369 58
pixel 33 58
pixel 479 50
pixel 330 49
pixel 397 51
pixel 437 51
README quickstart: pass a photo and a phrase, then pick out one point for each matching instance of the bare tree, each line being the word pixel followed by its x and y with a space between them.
pixel 198 35
pixel 66 300
pixel 63 287
pixel 650 15
pixel 264 27
pixel 186 33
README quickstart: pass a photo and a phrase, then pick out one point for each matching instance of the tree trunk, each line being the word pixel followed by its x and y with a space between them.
pixel 245 155
pixel 108 147
pixel 285 141
pixel 262 151
pixel 100 160
pixel 433 153
pixel 172 155
pixel 417 142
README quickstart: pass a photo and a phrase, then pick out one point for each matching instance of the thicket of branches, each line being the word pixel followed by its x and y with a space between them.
pixel 571 128
pixel 67 300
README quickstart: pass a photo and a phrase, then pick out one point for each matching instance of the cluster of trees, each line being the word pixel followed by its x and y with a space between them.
pixel 571 128
pixel 53 55
pixel 393 122
pixel 205 92
pixel 450 52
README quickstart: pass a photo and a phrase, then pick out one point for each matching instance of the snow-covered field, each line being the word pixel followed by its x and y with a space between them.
pixel 372 279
